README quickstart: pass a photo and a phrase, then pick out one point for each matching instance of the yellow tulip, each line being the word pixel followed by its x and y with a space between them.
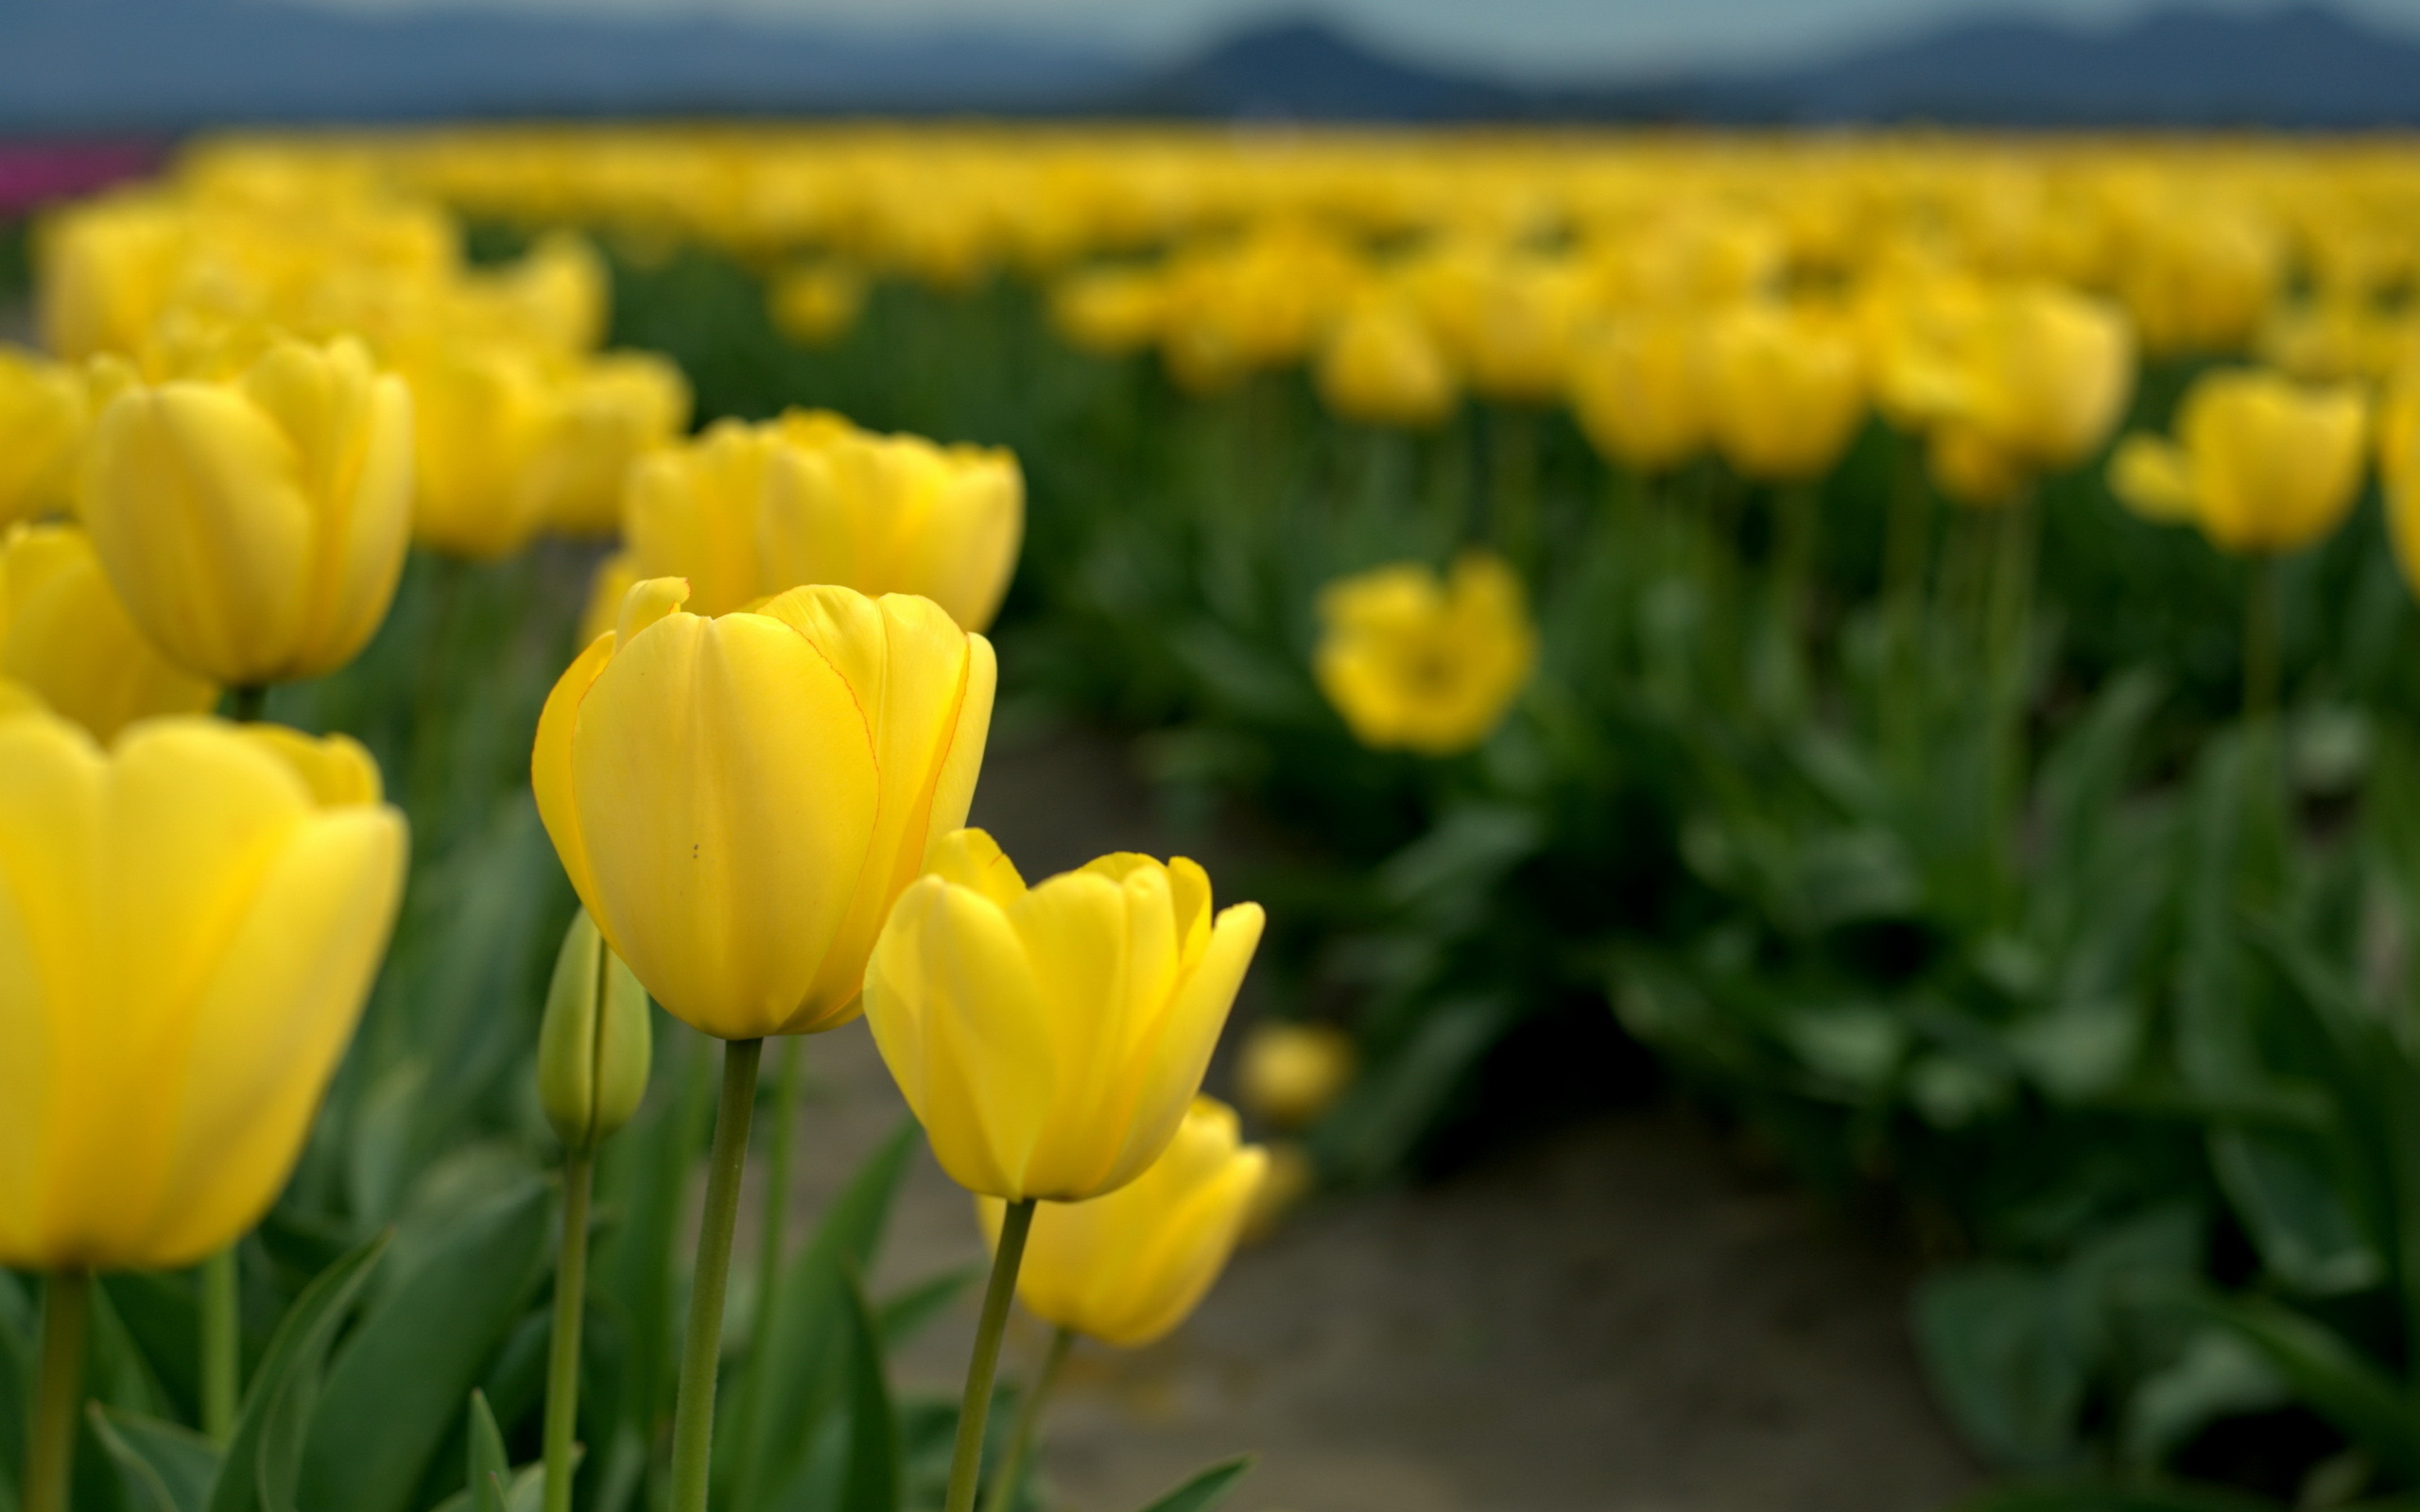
pixel 748 510
pixel 190 925
pixel 1110 311
pixel 1383 367
pixel 1049 1039
pixel 1419 664
pixel 1289 1073
pixel 1127 1268
pixel 42 420
pixel 1971 468
pixel 739 799
pixel 615 409
pixel 1637 390
pixel 255 526
pixel 2261 463
pixel 816 304
pixel 483 417
pixel 1786 390
pixel 64 636
pixel 2038 374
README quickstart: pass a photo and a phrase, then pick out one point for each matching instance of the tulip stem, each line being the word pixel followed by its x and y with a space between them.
pixel 2262 619
pixel 50 1440
pixel 222 1333
pixel 788 1083
pixel 1003 1483
pixel 563 1360
pixel 247 704
pixel 693 1419
pixel 966 1464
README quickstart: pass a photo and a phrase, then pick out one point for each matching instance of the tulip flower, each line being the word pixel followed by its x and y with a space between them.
pixel 739 799
pixel 2033 374
pixel 816 304
pixel 1417 665
pixel 255 526
pixel 42 420
pixel 65 637
pixel 1637 390
pixel 1127 1268
pixel 195 919
pixel 1786 390
pixel 1289 1073
pixel 1049 1039
pixel 612 410
pixel 1383 367
pixel 1110 311
pixel 748 510
pixel 2262 464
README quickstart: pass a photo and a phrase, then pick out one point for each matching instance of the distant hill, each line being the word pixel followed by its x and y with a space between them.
pixel 120 65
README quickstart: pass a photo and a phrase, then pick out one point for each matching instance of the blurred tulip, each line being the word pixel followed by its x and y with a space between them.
pixel 2261 463
pixel 1415 663
pixel 613 410
pixel 594 1043
pixel 1290 1073
pixel 1383 367
pixel 483 418
pixel 1786 390
pixel 1110 311
pixel 816 304
pixel 2037 375
pixel 1051 1039
pixel 255 526
pixel 194 919
pixel 42 421
pixel 739 799
pixel 1637 390
pixel 64 636
pixel 1127 1268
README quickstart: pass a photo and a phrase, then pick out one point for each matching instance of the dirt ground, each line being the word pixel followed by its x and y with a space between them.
pixel 1617 1318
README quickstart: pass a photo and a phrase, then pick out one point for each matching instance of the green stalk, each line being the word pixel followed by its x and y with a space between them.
pixel 222 1335
pixel 2008 633
pixel 2263 616
pixel 1513 434
pixel 966 1464
pixel 247 704
pixel 58 1389
pixel 693 1415
pixel 562 1358
pixel 758 1383
pixel 1003 1483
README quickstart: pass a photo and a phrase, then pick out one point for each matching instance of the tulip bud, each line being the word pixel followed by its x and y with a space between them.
pixel 594 1044
pixel 1127 1268
pixel 1290 1073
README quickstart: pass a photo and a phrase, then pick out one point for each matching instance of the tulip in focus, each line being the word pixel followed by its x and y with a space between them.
pixel 195 919
pixel 1051 1039
pixel 739 799
pixel 2261 463
pixel 1786 390
pixel 1417 664
pixel 1290 1073
pixel 1383 367
pixel 65 637
pixel 255 526
pixel 1127 1268
pixel 42 420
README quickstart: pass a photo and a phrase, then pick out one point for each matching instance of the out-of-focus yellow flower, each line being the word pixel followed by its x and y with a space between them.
pixel 1420 664
pixel 816 304
pixel 1786 390
pixel 615 409
pixel 1971 468
pixel 2259 462
pixel 1127 1268
pixel 484 416
pixel 64 635
pixel 2197 277
pixel 2399 470
pixel 193 922
pixel 42 420
pixel 255 526
pixel 1111 311
pixel 105 271
pixel 1049 1039
pixel 748 510
pixel 737 801
pixel 2035 373
pixel 1383 367
pixel 1637 390
pixel 1289 1073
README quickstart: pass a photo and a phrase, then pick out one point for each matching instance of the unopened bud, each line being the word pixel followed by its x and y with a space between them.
pixel 595 1044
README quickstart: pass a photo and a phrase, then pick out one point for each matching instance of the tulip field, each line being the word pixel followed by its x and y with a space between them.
pixel 1913 638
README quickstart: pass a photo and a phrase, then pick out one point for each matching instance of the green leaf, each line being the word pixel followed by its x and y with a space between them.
pixel 872 1481
pixel 165 1467
pixel 2003 1348
pixel 394 1390
pixel 259 1468
pixel 1204 1489
pixel 489 1468
pixel 2328 1377
pixel 2217 1375
pixel 904 1313
pixel 2283 1190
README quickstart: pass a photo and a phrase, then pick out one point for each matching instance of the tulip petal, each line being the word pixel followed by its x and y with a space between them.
pixel 550 766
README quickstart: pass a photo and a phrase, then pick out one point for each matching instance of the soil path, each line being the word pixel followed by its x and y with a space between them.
pixel 1619 1318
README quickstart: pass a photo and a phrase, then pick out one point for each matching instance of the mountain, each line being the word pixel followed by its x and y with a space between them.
pixel 115 65
pixel 164 65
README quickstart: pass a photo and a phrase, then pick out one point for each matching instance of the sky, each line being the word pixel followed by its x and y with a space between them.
pixel 1531 40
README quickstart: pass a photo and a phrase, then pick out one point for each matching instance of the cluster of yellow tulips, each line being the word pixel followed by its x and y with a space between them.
pixel 267 381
